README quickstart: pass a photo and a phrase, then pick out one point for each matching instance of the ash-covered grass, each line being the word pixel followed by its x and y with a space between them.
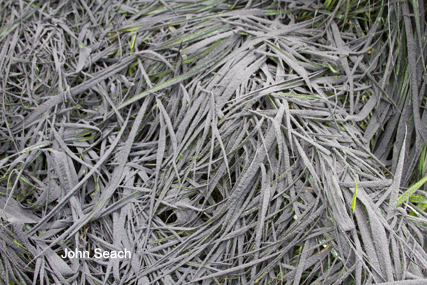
pixel 221 142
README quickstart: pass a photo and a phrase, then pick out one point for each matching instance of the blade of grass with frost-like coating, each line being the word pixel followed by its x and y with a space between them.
pixel 394 188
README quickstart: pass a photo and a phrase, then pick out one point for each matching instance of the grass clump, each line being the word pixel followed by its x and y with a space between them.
pixel 241 142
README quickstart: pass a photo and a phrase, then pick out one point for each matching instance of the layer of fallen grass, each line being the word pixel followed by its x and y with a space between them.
pixel 220 142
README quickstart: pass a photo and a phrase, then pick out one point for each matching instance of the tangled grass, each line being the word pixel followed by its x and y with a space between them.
pixel 240 142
